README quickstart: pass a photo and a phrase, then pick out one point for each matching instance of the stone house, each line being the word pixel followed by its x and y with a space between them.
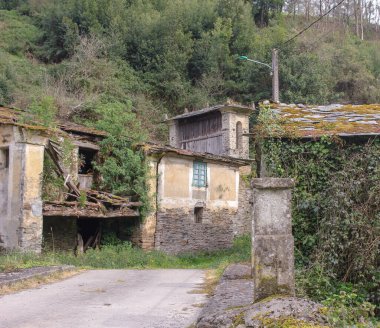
pixel 200 199
pixel 28 222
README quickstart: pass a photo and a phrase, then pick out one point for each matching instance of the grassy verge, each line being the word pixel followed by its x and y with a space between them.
pixel 36 282
pixel 124 256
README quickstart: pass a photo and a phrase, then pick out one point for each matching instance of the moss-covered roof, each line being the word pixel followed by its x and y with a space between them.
pixel 12 116
pixel 342 120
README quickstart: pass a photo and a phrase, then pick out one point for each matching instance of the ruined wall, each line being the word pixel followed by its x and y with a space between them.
pixel 20 188
pixel 143 231
pixel 59 233
pixel 243 220
pixel 177 231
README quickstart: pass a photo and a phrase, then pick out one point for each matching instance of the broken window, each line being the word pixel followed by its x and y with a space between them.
pixel 86 167
pixel 86 158
pixel 199 174
pixel 198 214
pixel 4 158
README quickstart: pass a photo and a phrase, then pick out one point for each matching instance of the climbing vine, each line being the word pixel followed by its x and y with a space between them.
pixel 336 202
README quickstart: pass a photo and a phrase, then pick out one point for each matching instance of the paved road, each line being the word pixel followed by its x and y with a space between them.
pixel 108 298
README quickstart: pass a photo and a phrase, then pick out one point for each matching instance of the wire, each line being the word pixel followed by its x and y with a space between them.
pixel 316 21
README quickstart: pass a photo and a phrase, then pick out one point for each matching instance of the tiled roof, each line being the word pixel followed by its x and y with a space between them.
pixel 341 120
pixel 236 107
pixel 151 148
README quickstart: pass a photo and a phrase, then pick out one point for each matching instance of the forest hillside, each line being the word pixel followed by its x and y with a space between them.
pixel 161 56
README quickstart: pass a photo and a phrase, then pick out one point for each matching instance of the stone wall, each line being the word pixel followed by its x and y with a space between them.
pixel 59 233
pixel 229 123
pixel 20 188
pixel 177 231
pixel 272 240
pixel 242 222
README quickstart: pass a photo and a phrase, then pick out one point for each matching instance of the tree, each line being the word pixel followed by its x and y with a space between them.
pixel 264 10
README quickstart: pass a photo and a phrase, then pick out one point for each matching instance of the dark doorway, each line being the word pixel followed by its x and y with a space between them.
pixel 89 233
pixel 86 158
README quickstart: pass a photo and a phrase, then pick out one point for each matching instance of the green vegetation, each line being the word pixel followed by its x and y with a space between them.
pixel 121 255
pixel 122 65
pixel 166 55
pixel 335 215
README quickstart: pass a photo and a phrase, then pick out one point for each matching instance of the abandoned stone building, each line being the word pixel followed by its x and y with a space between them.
pixel 199 199
pixel 26 221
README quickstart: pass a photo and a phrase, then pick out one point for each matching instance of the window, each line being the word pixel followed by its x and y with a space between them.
pixel 86 157
pixel 4 158
pixel 199 174
pixel 198 214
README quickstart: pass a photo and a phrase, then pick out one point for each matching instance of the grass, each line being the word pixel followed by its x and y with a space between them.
pixel 124 256
pixel 36 282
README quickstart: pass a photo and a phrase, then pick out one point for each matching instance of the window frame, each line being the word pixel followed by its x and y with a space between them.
pixel 199 172
pixel 5 157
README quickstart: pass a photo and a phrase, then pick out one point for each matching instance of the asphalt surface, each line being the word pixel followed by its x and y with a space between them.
pixel 109 298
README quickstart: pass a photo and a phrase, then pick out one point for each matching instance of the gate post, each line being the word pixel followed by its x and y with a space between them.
pixel 272 240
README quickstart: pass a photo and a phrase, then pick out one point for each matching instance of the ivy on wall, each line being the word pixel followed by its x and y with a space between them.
pixel 336 203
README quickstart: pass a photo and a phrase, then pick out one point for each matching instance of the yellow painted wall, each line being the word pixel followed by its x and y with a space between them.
pixel 34 159
pixel 176 177
pixel 222 183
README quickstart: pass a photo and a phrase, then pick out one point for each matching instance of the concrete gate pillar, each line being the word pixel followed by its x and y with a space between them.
pixel 272 240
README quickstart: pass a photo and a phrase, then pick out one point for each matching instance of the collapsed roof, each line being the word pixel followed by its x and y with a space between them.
pixel 11 116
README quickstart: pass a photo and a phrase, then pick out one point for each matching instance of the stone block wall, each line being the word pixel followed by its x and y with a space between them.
pixel 20 189
pixel 272 240
pixel 177 231
pixel 242 222
pixel 229 125
pixel 59 233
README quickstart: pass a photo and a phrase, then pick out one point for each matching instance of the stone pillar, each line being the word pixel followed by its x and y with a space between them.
pixel 229 134
pixel 272 240
pixel 174 134
pixel 30 229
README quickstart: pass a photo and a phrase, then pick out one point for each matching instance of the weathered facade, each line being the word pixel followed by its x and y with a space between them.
pixel 216 130
pixel 21 165
pixel 26 221
pixel 200 199
pixel 196 198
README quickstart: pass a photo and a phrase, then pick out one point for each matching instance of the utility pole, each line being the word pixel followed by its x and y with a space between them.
pixel 275 79
pixel 273 72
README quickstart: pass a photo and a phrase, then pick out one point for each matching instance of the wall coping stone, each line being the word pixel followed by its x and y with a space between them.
pixel 272 183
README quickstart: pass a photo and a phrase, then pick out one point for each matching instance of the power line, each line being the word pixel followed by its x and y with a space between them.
pixel 316 21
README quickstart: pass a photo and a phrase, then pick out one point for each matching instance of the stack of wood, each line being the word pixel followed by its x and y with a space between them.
pixel 85 203
pixel 92 242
